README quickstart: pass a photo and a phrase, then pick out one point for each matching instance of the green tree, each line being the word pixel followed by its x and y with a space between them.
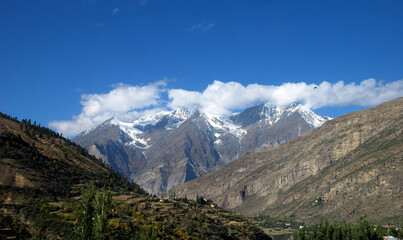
pixel 102 205
pixel 93 214
pixel 86 214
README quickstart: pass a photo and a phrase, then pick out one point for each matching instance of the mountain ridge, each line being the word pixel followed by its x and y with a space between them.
pixel 261 181
pixel 194 142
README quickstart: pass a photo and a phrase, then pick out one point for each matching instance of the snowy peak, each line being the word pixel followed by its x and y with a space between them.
pixel 135 131
pixel 111 121
pixel 270 114
pixel 150 119
pixel 220 125
pixel 177 117
pixel 133 136
pixel 266 113
pixel 126 132
pixel 167 120
pixel 309 116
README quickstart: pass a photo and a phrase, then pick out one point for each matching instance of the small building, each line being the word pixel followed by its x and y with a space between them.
pixel 389 238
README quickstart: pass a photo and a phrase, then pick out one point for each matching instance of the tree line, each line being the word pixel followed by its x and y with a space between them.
pixel 344 231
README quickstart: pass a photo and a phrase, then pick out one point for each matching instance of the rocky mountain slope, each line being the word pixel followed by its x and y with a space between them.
pixel 167 149
pixel 51 188
pixel 349 167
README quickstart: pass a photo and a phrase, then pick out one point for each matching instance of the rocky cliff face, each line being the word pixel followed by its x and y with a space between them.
pixel 165 150
pixel 349 167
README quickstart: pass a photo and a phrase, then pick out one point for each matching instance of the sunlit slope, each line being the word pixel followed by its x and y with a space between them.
pixel 46 184
pixel 349 167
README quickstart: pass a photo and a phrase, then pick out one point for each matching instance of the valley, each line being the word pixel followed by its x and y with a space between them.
pixel 210 120
pixel 344 169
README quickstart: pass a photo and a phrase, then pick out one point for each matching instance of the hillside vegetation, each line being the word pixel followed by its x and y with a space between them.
pixel 51 188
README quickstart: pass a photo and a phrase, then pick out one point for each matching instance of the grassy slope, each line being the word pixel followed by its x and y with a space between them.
pixel 42 176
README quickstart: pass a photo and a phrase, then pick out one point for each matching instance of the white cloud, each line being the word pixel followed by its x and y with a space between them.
pixel 367 93
pixel 223 98
pixel 183 98
pixel 124 101
pixel 129 102
pixel 201 27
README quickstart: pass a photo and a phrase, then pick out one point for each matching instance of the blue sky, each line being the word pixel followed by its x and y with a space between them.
pixel 59 57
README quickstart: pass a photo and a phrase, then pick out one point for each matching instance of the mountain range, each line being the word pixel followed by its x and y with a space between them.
pixel 165 150
pixel 348 168
pixel 345 169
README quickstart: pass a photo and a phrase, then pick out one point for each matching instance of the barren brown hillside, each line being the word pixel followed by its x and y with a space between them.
pixel 349 167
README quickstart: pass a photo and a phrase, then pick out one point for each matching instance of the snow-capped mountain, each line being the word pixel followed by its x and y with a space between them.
pixel 271 114
pixel 171 147
pixel 165 119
